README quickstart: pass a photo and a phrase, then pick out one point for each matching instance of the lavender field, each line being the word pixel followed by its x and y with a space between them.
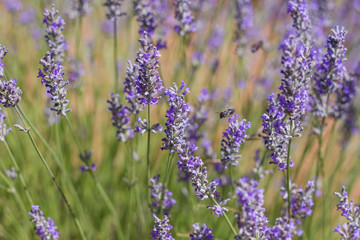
pixel 179 119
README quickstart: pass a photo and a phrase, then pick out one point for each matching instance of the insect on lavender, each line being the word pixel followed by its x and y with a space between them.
pixel 227 112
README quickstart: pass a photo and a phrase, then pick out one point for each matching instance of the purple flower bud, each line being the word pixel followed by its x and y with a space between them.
pixel 144 10
pixel 45 229
pixel 113 9
pixel 158 203
pixel 201 233
pixel 183 14
pixel 244 22
pixel 11 173
pixel 9 93
pixel 161 230
pixel 299 14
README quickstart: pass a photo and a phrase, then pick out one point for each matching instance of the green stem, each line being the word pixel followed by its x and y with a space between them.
pixel 52 177
pixel 26 189
pixel 116 72
pixel 78 37
pixel 226 217
pixel 148 154
pixel 288 177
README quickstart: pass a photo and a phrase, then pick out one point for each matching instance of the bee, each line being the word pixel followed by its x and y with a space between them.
pixel 256 46
pixel 227 112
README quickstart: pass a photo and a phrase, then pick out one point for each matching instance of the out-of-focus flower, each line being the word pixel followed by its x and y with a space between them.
pixel 78 8
pixel 85 158
pixel 45 229
pixel 142 127
pixel 12 173
pixel 161 230
pixel 145 16
pixel 233 137
pixel 113 9
pixel 177 118
pixel 75 73
pixel 4 130
pixel 351 229
pixel 160 200
pixel 201 233
pixel 244 22
pixel 302 22
pixel 13 6
pixel 120 117
pixel 183 14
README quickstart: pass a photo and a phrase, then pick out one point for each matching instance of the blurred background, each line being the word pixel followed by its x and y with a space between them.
pixel 206 59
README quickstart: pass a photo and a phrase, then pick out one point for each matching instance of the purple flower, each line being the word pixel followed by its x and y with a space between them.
pixel 351 229
pixel 45 229
pixel 4 131
pixel 145 13
pixel 302 22
pixel 157 194
pixel 78 8
pixel 329 73
pixel 3 52
pixel 244 22
pixel 177 118
pixel 201 233
pixel 148 83
pixel 113 9
pixel 252 220
pixel 120 118
pixel 199 116
pixel 183 14
pixel 130 91
pixel 233 137
pixel 9 93
pixel 28 15
pixel 85 158
pixel 13 6
pixel 161 230
pixel 142 127
pixel 54 36
pixel 12 173
pixel 283 229
pixel 52 75
pixel 75 73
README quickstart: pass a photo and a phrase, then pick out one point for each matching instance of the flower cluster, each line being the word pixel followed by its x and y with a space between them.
pixel 85 158
pixel 233 137
pixel 120 118
pixel 329 73
pixel 184 16
pixel 4 131
pixel 199 116
pixel 177 118
pixel 9 92
pixel 145 16
pixel 54 36
pixel 78 8
pixel 148 83
pixel 281 121
pixel 132 71
pixel 201 233
pixel 142 127
pixel 113 9
pixel 302 22
pixel 252 220
pixel 161 230
pixel 12 173
pixel 45 229
pixel 160 200
pixel 244 22
pixel 351 229
pixel 52 75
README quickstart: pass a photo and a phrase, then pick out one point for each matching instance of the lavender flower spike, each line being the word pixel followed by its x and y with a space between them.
pixel 177 118
pixel 54 36
pixel 113 9
pixel 78 8
pixel 183 15
pixel 148 83
pixel 244 21
pixel 158 203
pixel 233 137
pixel 52 75
pixel 4 131
pixel 45 229
pixel 120 118
pixel 3 52
pixel 302 22
pixel 201 233
pixel 145 16
pixel 351 229
pixel 161 230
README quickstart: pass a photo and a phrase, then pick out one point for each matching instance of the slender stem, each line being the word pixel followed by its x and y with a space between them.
pixel 116 72
pixel 257 176
pixel 148 154
pixel 78 37
pixel 226 217
pixel 97 184
pixel 27 193
pixel 52 177
pixel 288 177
